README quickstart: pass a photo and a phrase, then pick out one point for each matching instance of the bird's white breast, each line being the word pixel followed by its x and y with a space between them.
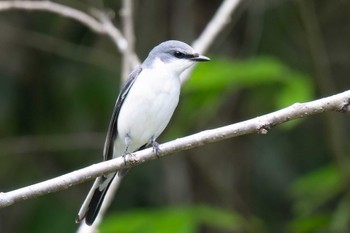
pixel 147 108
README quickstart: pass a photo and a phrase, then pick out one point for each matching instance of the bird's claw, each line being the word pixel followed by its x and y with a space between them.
pixel 126 153
pixel 156 148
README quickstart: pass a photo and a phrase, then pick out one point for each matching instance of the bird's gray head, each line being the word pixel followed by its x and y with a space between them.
pixel 173 55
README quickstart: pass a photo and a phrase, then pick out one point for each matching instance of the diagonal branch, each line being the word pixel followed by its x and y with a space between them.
pixel 128 30
pixel 339 103
pixel 221 18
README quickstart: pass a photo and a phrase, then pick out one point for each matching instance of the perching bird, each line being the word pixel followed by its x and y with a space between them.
pixel 142 111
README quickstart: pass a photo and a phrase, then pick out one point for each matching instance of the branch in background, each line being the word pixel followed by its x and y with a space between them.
pixel 59 9
pixel 339 103
pixel 101 24
pixel 128 30
pixel 220 19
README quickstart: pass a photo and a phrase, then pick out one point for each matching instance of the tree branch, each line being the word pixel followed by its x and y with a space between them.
pixel 220 19
pixel 339 103
pixel 53 7
pixel 128 30
pixel 101 25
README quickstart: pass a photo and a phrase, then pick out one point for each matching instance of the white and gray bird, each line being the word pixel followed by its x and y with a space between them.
pixel 142 111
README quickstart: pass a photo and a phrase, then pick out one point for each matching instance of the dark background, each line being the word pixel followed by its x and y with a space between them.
pixel 59 82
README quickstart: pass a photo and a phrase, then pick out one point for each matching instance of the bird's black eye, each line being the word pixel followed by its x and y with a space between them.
pixel 179 54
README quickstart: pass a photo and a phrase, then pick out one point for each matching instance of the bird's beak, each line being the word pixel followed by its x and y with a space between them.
pixel 198 57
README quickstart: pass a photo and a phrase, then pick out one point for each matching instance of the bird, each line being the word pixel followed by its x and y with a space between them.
pixel 142 111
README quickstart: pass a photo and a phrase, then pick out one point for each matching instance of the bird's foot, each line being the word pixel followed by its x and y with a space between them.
pixel 156 148
pixel 126 153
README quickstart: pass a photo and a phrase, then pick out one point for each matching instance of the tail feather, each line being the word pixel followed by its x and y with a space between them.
pixel 92 204
pixel 95 204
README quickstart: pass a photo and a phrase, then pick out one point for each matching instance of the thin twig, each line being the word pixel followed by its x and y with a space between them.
pixel 339 103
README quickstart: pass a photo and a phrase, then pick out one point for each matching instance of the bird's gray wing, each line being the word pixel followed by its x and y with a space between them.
pixel 112 132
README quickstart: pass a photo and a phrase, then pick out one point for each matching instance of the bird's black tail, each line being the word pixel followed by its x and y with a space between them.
pixel 95 203
pixel 94 199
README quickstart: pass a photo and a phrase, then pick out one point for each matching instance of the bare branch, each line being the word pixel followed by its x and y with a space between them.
pixel 128 30
pixel 109 29
pixel 52 7
pixel 102 25
pixel 220 19
pixel 339 103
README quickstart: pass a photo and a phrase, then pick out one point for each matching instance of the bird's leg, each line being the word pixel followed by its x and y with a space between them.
pixel 155 147
pixel 127 141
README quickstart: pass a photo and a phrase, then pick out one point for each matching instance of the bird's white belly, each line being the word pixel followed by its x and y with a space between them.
pixel 147 109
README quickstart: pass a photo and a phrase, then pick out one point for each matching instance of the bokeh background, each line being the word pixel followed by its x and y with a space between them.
pixel 59 82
